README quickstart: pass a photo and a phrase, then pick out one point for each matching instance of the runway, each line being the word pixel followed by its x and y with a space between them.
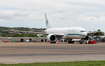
pixel 12 53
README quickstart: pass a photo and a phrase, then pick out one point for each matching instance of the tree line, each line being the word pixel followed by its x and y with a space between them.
pixel 19 35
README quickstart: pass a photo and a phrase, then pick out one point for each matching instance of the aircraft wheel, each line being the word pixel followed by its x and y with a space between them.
pixel 70 41
pixel 80 42
pixel 53 42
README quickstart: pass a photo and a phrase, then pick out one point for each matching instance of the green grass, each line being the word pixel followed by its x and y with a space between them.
pixel 76 63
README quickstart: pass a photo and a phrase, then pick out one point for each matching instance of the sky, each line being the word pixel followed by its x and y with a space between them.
pixel 88 14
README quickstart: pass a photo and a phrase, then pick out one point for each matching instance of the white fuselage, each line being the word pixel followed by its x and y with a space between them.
pixel 69 33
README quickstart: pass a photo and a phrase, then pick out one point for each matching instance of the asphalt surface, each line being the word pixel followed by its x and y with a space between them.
pixel 12 53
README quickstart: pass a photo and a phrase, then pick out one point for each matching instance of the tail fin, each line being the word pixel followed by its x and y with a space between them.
pixel 47 23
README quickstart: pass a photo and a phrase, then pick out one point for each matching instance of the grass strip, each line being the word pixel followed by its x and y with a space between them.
pixel 75 63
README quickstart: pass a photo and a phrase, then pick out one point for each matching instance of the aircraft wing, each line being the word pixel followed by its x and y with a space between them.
pixel 58 35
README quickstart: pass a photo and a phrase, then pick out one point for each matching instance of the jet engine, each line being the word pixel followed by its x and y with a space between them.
pixel 86 38
pixel 52 38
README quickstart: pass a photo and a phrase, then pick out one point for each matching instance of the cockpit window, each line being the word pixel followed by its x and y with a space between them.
pixel 82 31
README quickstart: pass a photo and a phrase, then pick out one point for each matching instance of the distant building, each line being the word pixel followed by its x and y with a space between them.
pixel 22 39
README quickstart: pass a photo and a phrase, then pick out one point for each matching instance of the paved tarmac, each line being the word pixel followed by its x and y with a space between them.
pixel 12 53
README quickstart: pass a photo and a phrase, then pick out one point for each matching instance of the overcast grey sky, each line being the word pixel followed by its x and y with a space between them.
pixel 89 14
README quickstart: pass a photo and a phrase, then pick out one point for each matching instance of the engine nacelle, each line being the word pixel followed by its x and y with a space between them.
pixel 51 38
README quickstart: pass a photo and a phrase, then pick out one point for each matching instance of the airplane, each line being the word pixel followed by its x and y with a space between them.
pixel 69 33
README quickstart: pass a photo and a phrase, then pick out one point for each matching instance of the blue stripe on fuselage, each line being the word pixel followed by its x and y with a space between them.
pixel 77 34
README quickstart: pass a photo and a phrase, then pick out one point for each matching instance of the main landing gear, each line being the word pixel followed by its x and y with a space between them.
pixel 70 41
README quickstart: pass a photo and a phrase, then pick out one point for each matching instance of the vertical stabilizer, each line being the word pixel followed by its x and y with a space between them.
pixel 47 23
